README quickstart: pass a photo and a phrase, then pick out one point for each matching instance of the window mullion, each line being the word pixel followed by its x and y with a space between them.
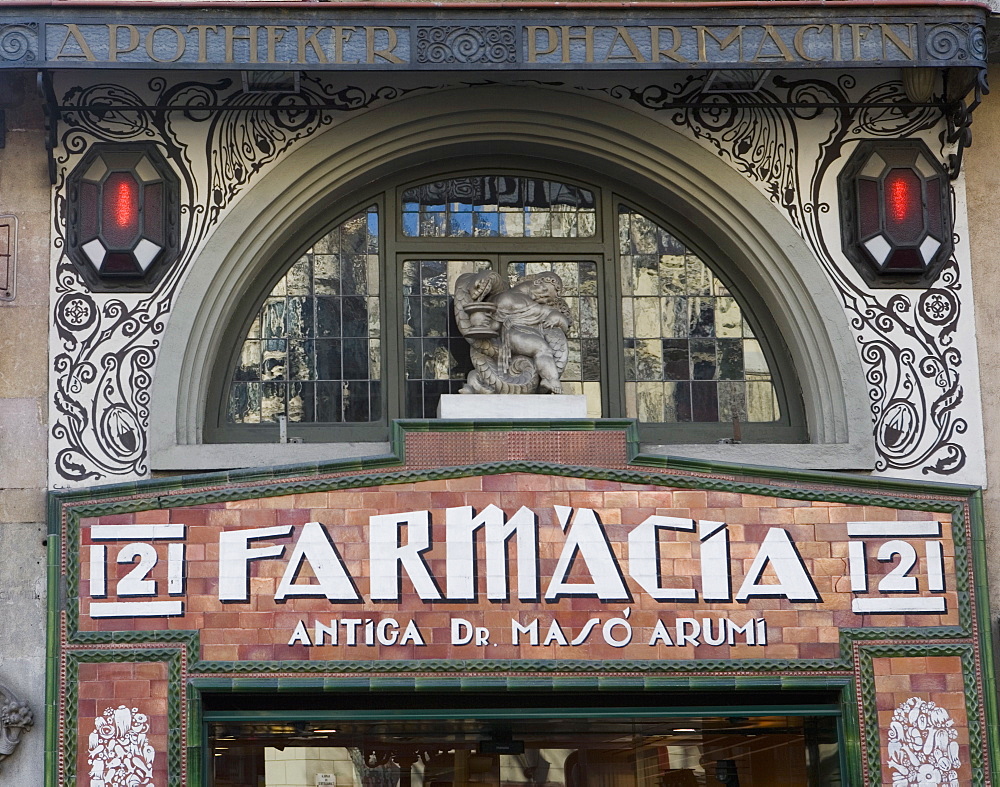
pixel 612 348
pixel 392 309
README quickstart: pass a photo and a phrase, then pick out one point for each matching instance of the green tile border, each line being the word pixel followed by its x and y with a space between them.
pixel 962 503
pixel 974 700
pixel 172 657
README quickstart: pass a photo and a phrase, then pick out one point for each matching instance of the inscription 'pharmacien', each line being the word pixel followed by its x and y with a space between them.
pixel 524 46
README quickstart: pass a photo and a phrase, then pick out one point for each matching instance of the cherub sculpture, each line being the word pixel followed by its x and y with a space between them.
pixel 517 334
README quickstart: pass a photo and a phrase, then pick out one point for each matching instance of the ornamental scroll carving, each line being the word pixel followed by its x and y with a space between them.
pixel 517 334
pixel 15 720
pixel 467 44
pixel 107 344
pixel 19 42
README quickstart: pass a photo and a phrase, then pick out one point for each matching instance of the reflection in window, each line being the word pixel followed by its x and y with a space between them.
pixel 582 374
pixel 700 751
pixel 436 354
pixel 313 351
pixel 498 206
pixel 690 355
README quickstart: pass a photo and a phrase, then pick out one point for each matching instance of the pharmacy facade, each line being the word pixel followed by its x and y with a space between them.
pixel 272 562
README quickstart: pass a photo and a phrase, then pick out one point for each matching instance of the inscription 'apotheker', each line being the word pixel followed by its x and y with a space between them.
pixel 585 43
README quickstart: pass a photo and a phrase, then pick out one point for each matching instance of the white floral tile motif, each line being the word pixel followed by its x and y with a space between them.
pixel 923 746
pixel 119 752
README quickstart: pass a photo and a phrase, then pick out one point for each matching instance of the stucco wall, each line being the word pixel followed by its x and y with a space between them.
pixel 24 192
pixel 982 176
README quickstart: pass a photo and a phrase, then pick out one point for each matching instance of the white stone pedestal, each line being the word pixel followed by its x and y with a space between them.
pixel 479 407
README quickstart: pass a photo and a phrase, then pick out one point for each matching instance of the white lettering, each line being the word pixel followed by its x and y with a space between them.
pixel 685 637
pixel 460 527
pixel 411 634
pixel 389 557
pixel 644 557
pixel 388 631
pixel 314 547
pixel 235 555
pixel 319 631
pixel 461 631
pixel 531 630
pixel 587 539
pixel 300 635
pixel 660 634
pixel 794 582
pixel 555 635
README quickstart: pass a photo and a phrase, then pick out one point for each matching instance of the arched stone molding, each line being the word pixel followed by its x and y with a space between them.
pixel 565 130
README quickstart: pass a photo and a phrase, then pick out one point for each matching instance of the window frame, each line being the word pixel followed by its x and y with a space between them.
pixel 394 248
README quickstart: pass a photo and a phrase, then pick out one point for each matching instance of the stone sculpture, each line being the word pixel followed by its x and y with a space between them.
pixel 15 720
pixel 517 334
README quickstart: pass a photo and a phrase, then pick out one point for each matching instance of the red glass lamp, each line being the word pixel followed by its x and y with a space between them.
pixel 895 213
pixel 122 217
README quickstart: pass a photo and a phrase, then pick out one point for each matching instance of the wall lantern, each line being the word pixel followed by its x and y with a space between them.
pixel 122 217
pixel 895 213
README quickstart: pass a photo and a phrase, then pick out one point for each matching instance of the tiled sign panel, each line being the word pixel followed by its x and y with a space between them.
pixel 518 566
pixel 122 723
pixel 922 717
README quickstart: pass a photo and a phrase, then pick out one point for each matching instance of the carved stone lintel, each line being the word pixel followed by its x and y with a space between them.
pixel 15 720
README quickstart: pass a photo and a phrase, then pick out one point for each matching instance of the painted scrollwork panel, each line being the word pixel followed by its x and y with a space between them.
pixel 106 346
pixel 467 44
pixel 907 341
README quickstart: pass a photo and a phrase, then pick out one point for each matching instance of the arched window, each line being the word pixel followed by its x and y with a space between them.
pixel 359 328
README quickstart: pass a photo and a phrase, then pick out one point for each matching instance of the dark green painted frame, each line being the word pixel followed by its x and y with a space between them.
pixel 962 503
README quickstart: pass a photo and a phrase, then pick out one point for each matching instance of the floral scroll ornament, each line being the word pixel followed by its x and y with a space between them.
pixel 15 720
pixel 923 746
pixel 119 751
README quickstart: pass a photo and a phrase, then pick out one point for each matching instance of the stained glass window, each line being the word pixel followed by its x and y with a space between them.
pixel 313 350
pixel 690 355
pixel 498 206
